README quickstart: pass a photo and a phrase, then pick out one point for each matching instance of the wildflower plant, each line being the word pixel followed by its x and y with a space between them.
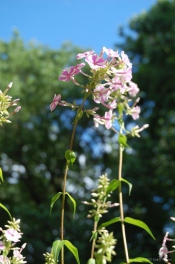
pixel 9 253
pixel 103 243
pixel 109 84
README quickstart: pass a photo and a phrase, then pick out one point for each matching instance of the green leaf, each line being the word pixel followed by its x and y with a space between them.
pixel 130 185
pixel 56 197
pixel 91 261
pixel 56 247
pixel 120 108
pixel 122 139
pixel 1 176
pixel 70 156
pixel 72 249
pixel 140 259
pixel 110 222
pixel 112 186
pixel 139 223
pixel 73 201
pixel 79 114
pixel 5 208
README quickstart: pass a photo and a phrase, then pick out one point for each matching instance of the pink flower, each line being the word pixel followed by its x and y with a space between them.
pixel 95 61
pixel 135 112
pixel 1 245
pixel 79 66
pixel 100 94
pixel 84 55
pixel 104 120
pixel 125 59
pixel 133 89
pixel 110 52
pixel 67 74
pixel 12 235
pixel 4 260
pixel 56 101
pixel 108 119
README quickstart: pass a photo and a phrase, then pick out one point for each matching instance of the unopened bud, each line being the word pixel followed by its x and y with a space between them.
pixel 17 109
pixel 10 85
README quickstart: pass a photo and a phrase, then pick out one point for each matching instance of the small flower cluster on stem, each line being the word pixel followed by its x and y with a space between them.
pixel 163 251
pixel 103 243
pixel 5 102
pixel 8 239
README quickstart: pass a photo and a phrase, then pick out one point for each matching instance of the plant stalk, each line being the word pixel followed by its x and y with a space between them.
pixel 64 182
pixel 121 203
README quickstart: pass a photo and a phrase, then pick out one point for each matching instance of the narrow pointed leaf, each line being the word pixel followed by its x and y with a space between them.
pixel 130 185
pixel 5 208
pixel 139 223
pixel 122 139
pixel 112 186
pixel 56 247
pixel 140 259
pixel 73 202
pixel 1 176
pixel 110 222
pixel 72 249
pixel 91 261
pixel 54 199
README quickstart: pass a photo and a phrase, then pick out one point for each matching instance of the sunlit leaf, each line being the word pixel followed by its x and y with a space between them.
pixel 139 223
pixel 5 208
pixel 1 176
pixel 73 202
pixel 140 259
pixel 122 139
pixel 54 199
pixel 112 186
pixel 130 185
pixel 73 249
pixel 56 247
pixel 110 222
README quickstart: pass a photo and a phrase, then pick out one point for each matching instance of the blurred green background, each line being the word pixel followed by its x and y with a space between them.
pixel 32 147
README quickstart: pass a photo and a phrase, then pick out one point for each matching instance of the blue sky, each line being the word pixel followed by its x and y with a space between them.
pixel 89 24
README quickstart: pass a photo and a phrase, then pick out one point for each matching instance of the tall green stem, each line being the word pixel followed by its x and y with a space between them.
pixel 64 181
pixel 121 203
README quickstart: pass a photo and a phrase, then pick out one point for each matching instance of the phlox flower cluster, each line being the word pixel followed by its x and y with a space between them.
pixel 8 239
pixel 5 102
pixel 109 83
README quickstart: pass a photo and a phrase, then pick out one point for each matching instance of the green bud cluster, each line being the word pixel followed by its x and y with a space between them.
pixel 49 258
pixel 105 247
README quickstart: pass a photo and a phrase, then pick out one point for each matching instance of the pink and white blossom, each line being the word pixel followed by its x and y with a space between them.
pixel 12 235
pixel 85 54
pixel 101 94
pixel 56 101
pixel 125 59
pixel 1 245
pixel 133 89
pixel 110 52
pixel 4 260
pixel 95 61
pixel 135 112
pixel 68 73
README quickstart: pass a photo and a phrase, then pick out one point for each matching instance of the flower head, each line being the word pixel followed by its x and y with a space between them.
pixel 95 61
pixel 12 235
